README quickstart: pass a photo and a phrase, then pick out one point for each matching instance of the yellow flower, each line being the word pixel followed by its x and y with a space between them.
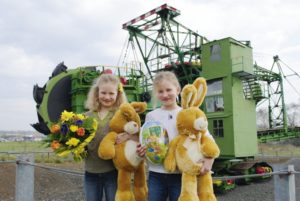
pixel 66 116
pixel 73 142
pixel 77 151
pixel 64 153
pixel 80 116
pixel 73 128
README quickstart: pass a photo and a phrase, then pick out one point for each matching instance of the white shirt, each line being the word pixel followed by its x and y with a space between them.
pixel 168 119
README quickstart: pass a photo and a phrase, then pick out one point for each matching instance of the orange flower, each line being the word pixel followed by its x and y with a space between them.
pixel 80 132
pixel 55 128
pixel 55 145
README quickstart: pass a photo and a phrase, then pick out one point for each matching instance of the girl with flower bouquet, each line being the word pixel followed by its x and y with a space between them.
pixel 104 98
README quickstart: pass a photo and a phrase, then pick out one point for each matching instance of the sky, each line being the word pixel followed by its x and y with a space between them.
pixel 37 35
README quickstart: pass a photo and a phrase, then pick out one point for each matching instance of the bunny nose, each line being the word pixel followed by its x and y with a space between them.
pixel 131 127
pixel 200 124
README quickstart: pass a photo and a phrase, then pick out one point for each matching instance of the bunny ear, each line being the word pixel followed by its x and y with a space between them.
pixel 126 110
pixel 200 85
pixel 139 107
pixel 188 95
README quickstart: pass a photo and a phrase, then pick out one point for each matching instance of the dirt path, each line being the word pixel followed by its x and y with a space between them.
pixel 53 186
pixel 48 185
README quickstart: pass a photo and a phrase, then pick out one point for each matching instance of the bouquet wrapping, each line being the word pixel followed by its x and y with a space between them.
pixel 71 134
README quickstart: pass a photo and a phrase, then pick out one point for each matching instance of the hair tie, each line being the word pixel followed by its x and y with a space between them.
pixel 120 88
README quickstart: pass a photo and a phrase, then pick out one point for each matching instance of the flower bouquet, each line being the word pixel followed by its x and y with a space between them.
pixel 71 134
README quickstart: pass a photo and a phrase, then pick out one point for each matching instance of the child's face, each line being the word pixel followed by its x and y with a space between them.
pixel 108 94
pixel 166 93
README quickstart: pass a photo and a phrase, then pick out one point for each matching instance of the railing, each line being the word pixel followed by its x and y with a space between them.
pixel 277 134
pixel 284 179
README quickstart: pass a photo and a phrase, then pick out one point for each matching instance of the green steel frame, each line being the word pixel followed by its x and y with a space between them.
pixel 267 85
pixel 164 43
pixel 274 93
pixel 80 81
pixel 277 114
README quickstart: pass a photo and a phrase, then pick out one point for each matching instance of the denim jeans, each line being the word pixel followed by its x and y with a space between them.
pixel 95 183
pixel 162 186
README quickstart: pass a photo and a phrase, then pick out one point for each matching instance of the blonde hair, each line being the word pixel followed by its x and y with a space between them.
pixel 164 76
pixel 93 103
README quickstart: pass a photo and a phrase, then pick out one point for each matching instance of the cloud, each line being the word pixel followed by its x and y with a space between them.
pixel 16 113
pixel 19 64
pixel 37 35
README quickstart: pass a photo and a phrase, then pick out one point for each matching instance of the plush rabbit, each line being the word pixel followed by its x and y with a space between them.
pixel 124 155
pixel 191 145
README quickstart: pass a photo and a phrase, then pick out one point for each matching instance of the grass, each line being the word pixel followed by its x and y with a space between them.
pixel 10 151
pixel 23 147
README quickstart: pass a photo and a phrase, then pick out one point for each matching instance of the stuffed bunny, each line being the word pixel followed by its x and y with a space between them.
pixel 124 155
pixel 192 144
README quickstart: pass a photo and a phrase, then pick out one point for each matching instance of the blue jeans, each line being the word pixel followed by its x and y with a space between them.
pixel 94 184
pixel 162 186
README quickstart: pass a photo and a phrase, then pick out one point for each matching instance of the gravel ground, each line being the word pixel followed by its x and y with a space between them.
pixel 52 186
pixel 263 191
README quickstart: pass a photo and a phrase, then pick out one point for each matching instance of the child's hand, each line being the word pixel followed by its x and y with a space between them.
pixel 141 150
pixel 134 138
pixel 122 137
pixel 207 165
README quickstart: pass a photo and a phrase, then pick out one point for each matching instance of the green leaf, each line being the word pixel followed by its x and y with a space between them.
pixel 88 123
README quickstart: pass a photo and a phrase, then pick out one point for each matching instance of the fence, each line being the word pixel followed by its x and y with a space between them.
pixel 284 180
